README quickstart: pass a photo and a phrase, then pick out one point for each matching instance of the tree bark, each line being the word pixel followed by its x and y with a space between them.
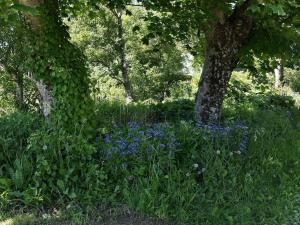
pixel 44 95
pixel 123 61
pixel 20 105
pixel 279 75
pixel 19 82
pixel 224 43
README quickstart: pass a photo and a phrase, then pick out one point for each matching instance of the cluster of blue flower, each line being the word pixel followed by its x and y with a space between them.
pixel 218 132
pixel 137 138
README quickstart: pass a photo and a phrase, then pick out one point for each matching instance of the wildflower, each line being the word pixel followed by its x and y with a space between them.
pixel 107 139
pixel 132 148
pixel 238 152
pixel 188 174
pixel 162 145
pixel 218 152
pixel 45 147
pixel 195 165
pixel 231 154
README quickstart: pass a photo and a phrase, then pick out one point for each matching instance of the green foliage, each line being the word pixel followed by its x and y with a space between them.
pixel 49 165
pixel 243 93
pixel 15 129
pixel 16 165
pixel 65 169
pixel 167 184
pixel 25 9
pixel 173 170
pixel 292 79
pixel 45 52
pixel 153 68
pixel 59 167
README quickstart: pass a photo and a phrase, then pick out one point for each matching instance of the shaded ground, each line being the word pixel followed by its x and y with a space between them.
pixel 120 220
pixel 119 217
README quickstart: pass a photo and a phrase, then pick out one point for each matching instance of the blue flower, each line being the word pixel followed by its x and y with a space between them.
pixel 107 139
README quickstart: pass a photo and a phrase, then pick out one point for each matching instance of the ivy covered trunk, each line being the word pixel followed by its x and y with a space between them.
pixel 57 63
pixel 224 42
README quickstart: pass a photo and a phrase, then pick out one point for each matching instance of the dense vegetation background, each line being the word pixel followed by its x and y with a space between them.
pixel 185 111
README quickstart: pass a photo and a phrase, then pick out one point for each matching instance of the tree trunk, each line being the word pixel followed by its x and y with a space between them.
pixel 46 99
pixel 279 75
pixel 20 105
pixel 19 91
pixel 123 61
pixel 43 89
pixel 224 43
pixel 58 65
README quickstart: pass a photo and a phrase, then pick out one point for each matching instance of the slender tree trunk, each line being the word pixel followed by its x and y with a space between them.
pixel 279 75
pixel 123 61
pixel 20 105
pixel 19 91
pixel 224 43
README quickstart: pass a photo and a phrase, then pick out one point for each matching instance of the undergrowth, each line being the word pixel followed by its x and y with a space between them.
pixel 154 159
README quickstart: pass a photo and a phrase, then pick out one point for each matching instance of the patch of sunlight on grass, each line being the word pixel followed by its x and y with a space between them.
pixel 19 220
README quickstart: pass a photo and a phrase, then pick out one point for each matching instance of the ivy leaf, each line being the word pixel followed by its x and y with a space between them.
pixel 255 8
pixel 25 9
pixel 276 9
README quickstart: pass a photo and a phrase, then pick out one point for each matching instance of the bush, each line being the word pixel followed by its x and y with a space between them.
pixel 54 167
pixel 273 100
pixel 15 165
pixel 14 131
pixel 173 111
pixel 65 168
pixel 293 79
pixel 238 91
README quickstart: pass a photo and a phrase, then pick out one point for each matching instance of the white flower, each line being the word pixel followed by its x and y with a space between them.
pixel 238 152
pixel 218 152
pixel 231 153
pixel 45 147
pixel 195 165
pixel 203 170
pixel 187 174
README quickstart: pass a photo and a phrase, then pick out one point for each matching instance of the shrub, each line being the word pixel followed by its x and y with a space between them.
pixel 55 166
pixel 65 169
pixel 293 79
pixel 16 167
pixel 273 100
pixel 14 131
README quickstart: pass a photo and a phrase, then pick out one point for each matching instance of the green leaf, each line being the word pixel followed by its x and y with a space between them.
pixel 25 9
